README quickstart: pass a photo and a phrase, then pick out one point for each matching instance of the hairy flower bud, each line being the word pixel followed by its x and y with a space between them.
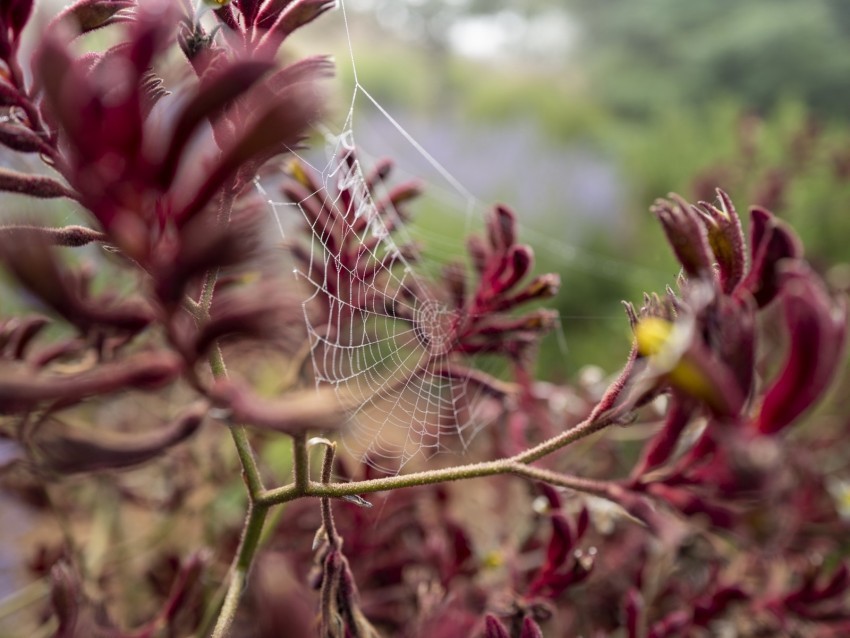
pixel 32 185
pixel 686 234
pixel 726 238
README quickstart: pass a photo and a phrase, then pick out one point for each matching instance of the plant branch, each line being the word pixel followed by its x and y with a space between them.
pixel 240 437
pixel 248 545
pixel 327 513
pixel 518 464
pixel 300 462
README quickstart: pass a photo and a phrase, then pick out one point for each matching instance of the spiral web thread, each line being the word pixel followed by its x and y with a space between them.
pixel 384 336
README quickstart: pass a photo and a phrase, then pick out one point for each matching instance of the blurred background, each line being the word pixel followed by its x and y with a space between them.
pixel 578 114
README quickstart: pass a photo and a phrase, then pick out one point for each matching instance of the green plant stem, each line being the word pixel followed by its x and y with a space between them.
pixel 585 428
pixel 518 464
pixel 238 577
pixel 240 437
pixel 208 285
pixel 327 512
pixel 300 462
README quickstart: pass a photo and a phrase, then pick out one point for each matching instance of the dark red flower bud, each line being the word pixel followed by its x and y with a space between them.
pixel 709 608
pixel 9 95
pixel 619 398
pixel 733 339
pixel 551 495
pixel 72 236
pixel 530 629
pixel 248 9
pixel 519 262
pixel 26 253
pixel 691 504
pixel 68 450
pixel 687 235
pixel 88 15
pixel 308 70
pixel 560 543
pixel 501 229
pixel 541 320
pixel 20 392
pixel 663 444
pixel 33 185
pixel 817 329
pixel 295 413
pixel 294 15
pixel 726 238
pixel 582 522
pixel 541 287
pixel 280 126
pixel 20 138
pixel 227 15
pixel 394 202
pixel 771 241
pixel 837 584
pixel 493 628
pixel 379 173
pixel 24 332
pixel 634 612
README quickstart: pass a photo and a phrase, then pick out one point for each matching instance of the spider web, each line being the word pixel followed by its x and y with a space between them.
pixel 381 332
pixel 380 323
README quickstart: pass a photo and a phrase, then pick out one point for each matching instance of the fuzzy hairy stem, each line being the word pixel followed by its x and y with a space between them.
pixel 327 512
pixel 238 576
pixel 518 464
pixel 300 462
pixel 208 284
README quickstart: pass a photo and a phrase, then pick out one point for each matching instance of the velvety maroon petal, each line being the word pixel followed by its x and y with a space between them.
pixel 771 241
pixel 661 447
pixel 817 327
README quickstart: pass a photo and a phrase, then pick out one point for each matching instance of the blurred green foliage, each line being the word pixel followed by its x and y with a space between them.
pixel 646 55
